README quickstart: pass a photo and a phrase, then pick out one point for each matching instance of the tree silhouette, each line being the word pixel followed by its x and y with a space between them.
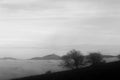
pixel 73 59
pixel 118 56
pixel 95 58
pixel 48 72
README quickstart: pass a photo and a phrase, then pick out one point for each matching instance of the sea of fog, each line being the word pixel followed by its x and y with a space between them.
pixel 10 69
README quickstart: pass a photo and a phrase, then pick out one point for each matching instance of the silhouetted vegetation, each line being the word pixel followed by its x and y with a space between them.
pixel 48 72
pixel 118 56
pixel 95 58
pixel 73 59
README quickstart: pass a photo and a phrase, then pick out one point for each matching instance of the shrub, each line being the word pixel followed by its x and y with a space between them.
pixel 48 72
pixel 95 58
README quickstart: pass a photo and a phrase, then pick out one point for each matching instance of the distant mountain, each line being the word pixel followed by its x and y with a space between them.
pixel 52 56
pixel 8 58
pixel 47 57
pixel 36 58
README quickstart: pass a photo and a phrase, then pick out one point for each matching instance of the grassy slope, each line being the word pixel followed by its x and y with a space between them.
pixel 100 72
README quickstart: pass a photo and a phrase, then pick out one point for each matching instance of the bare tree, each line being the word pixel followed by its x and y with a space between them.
pixel 73 59
pixel 95 58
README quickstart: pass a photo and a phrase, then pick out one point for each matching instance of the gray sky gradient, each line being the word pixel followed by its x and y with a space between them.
pixel 43 23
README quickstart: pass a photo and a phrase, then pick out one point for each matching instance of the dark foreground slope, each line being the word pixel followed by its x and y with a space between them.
pixel 99 72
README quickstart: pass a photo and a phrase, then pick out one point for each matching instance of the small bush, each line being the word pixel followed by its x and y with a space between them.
pixel 118 56
pixel 48 72
pixel 95 58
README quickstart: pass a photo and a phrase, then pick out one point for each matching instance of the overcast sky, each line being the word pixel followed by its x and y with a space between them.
pixel 41 23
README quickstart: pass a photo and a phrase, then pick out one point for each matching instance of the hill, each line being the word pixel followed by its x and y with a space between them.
pixel 99 72
pixel 47 57
pixel 8 58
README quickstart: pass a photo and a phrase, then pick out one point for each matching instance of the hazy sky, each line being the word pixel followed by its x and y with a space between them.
pixel 43 23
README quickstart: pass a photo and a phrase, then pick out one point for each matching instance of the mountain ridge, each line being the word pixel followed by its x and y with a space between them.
pixel 47 57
